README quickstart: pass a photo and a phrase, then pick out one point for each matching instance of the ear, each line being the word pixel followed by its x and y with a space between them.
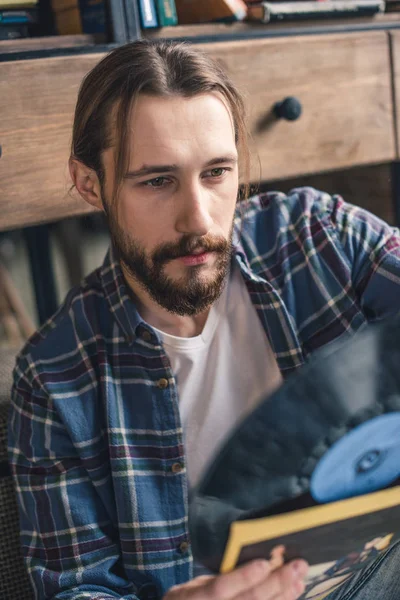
pixel 86 182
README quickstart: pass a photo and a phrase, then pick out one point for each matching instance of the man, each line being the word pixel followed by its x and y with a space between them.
pixel 122 398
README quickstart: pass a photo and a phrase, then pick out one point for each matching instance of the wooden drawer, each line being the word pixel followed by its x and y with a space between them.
pixel 342 82
pixel 395 51
pixel 344 86
pixel 37 101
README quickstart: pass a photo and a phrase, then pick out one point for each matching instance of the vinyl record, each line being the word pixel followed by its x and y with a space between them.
pixel 365 460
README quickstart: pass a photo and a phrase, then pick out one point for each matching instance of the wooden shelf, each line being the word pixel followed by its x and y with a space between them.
pixel 206 32
pixel 347 83
pixel 380 21
pixel 51 42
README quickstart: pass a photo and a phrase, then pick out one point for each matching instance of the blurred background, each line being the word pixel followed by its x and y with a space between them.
pixel 319 77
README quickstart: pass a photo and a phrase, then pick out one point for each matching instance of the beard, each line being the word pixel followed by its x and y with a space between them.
pixel 187 295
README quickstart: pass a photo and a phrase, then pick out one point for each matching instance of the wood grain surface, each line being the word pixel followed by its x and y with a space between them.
pixel 342 81
pixel 243 27
pixel 37 101
pixel 48 42
pixel 394 37
pixel 344 85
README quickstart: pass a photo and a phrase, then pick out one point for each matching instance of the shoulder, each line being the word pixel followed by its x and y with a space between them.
pixel 305 206
pixel 272 219
pixel 305 202
pixel 306 210
pixel 59 337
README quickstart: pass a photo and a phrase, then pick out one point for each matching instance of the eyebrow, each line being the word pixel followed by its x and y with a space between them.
pixel 153 169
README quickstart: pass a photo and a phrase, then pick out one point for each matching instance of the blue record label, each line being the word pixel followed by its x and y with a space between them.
pixel 364 460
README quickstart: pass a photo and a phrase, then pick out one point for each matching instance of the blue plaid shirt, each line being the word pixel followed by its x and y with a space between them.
pixel 96 443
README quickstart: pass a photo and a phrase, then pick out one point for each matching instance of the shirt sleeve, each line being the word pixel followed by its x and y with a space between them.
pixel 69 544
pixel 373 250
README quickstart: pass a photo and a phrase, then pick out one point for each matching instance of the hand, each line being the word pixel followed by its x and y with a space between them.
pixel 254 581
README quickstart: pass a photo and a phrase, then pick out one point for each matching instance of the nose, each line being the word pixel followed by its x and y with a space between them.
pixel 193 216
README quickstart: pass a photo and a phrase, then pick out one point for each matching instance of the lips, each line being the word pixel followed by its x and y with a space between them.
pixel 191 260
pixel 197 252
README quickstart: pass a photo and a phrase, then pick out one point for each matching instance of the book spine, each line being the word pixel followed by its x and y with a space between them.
pixel 132 20
pixel 291 11
pixel 67 17
pixel 24 4
pixel 93 16
pixel 192 11
pixel 148 14
pixel 17 17
pixel 13 31
pixel 167 13
pixel 238 8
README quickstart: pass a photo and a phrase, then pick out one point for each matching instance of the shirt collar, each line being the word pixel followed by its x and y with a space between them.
pixel 279 326
pixel 119 297
pixel 275 318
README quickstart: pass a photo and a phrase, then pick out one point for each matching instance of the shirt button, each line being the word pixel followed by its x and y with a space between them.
pixel 183 547
pixel 146 336
pixel 162 383
pixel 176 468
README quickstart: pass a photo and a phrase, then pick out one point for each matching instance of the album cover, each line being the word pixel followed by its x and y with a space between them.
pixel 313 471
pixel 336 539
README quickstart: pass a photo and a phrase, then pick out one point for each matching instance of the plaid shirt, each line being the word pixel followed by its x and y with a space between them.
pixel 96 443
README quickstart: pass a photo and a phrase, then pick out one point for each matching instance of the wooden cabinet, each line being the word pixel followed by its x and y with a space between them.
pixel 343 82
pixel 37 101
pixel 395 54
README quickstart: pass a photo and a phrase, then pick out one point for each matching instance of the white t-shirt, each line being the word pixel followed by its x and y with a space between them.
pixel 221 374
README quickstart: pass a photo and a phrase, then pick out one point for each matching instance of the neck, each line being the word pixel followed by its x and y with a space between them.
pixel 160 318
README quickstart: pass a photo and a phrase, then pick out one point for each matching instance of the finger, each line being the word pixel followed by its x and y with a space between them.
pixel 285 583
pixel 288 582
pixel 200 580
pixel 237 582
pixel 186 589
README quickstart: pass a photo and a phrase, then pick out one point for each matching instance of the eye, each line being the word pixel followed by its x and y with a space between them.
pixel 218 171
pixel 157 182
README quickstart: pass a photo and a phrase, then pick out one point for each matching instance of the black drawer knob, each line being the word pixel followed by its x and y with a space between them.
pixel 290 109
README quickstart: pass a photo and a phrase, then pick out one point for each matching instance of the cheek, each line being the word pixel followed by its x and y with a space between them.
pixel 225 209
pixel 142 224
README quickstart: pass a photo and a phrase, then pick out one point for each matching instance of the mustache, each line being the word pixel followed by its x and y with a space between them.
pixel 189 244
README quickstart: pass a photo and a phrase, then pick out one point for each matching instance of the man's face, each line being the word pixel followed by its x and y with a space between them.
pixel 176 203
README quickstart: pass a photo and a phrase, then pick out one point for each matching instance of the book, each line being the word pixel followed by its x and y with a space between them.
pixel 122 21
pixel 13 31
pixel 166 10
pixel 132 20
pixel 392 6
pixel 79 16
pixel 193 11
pixel 313 471
pixel 321 536
pixel 16 24
pixel 68 22
pixel 4 4
pixel 148 14
pixel 93 16
pixel 8 17
pixel 268 12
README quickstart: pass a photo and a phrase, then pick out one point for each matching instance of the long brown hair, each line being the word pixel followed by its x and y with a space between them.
pixel 157 68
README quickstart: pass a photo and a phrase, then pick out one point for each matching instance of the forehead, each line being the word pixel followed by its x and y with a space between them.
pixel 180 129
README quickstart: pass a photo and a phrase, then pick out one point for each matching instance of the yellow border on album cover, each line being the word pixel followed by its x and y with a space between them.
pixel 253 531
